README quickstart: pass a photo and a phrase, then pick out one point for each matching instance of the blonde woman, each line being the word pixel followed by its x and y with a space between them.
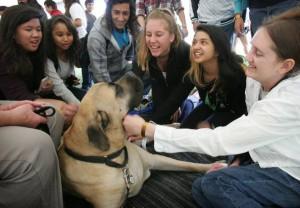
pixel 164 57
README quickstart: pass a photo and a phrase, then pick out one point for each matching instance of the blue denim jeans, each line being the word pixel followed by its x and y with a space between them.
pixel 257 15
pixel 229 30
pixel 248 187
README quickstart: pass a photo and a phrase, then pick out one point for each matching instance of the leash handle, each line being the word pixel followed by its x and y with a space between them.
pixel 45 111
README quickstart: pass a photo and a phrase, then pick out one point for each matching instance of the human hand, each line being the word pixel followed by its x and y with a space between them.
pixel 46 85
pixel 185 32
pixel 12 105
pixel 195 25
pixel 133 125
pixel 69 111
pixel 175 116
pixel 217 166
pixel 203 124
pixel 239 26
pixel 23 115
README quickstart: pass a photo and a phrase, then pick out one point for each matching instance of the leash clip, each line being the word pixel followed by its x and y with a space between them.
pixel 45 111
pixel 129 179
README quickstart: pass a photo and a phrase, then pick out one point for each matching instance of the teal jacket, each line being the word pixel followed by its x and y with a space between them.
pixel 240 6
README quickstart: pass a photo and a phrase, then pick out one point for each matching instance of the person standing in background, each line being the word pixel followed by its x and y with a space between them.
pixel 259 11
pixel 34 4
pixel 214 12
pixel 143 8
pixel 2 8
pixel 89 5
pixel 75 11
pixel 51 8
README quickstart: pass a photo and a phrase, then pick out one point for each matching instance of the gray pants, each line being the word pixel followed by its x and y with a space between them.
pixel 55 124
pixel 29 169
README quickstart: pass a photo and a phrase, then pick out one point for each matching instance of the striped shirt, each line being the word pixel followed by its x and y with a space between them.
pixel 212 11
pixel 144 7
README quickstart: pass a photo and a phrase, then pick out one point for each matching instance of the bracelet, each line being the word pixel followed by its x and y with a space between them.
pixel 143 129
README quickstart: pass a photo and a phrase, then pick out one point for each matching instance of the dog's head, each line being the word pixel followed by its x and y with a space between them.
pixel 100 115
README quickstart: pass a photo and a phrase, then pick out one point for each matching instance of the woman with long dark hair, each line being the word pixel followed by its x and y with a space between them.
pixel 219 77
pixel 62 43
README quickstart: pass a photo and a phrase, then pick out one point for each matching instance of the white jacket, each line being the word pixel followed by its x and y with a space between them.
pixel 270 132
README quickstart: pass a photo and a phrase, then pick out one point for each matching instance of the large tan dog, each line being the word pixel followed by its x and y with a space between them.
pixel 97 161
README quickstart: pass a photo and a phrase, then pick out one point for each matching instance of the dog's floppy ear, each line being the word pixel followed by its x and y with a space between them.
pixel 97 137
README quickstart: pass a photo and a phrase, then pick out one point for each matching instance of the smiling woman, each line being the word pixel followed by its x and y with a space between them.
pixel 165 56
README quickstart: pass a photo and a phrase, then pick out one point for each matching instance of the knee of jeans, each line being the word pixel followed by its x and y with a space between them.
pixel 209 183
pixel 196 187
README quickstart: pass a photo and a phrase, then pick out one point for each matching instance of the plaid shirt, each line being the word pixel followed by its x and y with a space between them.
pixel 144 7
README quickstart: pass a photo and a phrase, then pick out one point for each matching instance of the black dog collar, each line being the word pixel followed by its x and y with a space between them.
pixel 98 159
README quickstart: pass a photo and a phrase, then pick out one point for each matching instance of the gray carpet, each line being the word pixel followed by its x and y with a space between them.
pixel 164 189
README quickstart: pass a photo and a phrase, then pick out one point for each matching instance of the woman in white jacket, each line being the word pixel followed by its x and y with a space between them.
pixel 270 133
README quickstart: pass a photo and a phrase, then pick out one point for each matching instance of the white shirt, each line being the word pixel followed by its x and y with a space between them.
pixel 270 132
pixel 58 77
pixel 77 12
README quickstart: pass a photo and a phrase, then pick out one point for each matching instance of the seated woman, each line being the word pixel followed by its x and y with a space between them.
pixel 269 133
pixel 219 77
pixel 163 59
pixel 29 168
pixel 22 58
pixel 62 43
pixel 111 42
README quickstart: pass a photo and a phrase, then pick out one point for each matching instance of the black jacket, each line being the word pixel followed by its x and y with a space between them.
pixel 169 93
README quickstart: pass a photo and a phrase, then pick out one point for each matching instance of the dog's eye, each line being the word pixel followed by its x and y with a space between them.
pixel 104 119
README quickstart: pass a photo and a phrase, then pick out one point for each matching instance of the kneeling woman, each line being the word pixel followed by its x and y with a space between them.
pixel 219 77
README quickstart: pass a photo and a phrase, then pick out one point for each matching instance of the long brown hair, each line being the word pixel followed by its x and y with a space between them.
pixel 230 69
pixel 284 31
pixel 143 54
